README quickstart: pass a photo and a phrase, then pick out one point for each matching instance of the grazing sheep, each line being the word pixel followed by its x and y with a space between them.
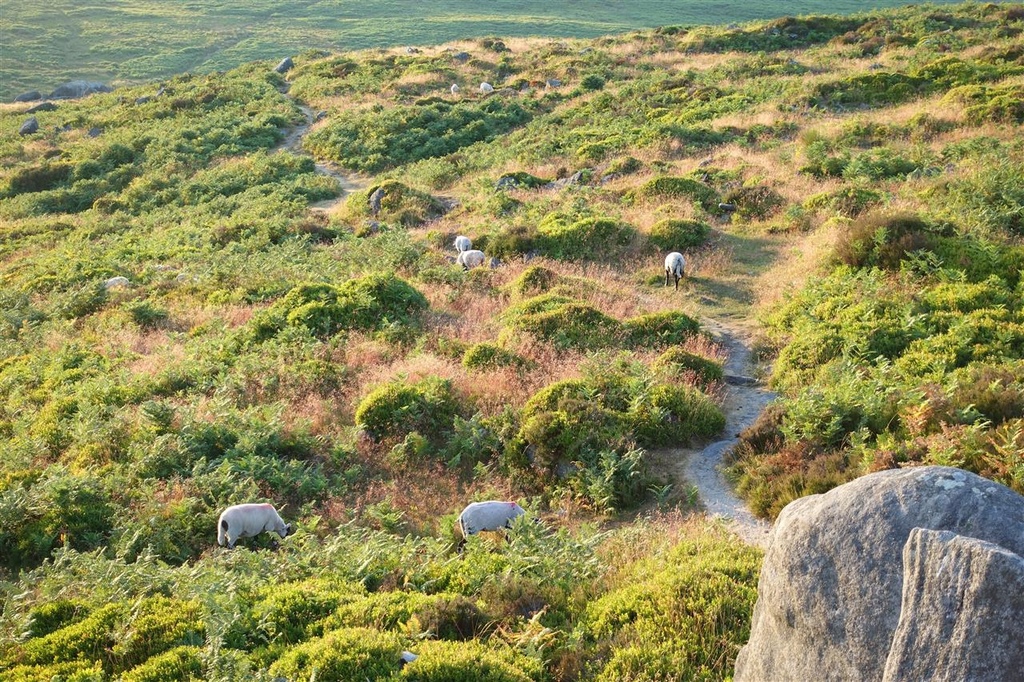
pixel 463 243
pixel 455 88
pixel 486 87
pixel 490 515
pixel 248 521
pixel 471 259
pixel 675 266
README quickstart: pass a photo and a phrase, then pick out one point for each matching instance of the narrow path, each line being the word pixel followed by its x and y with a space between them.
pixel 293 143
pixel 700 467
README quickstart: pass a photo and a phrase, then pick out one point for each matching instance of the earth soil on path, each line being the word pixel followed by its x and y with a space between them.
pixel 701 467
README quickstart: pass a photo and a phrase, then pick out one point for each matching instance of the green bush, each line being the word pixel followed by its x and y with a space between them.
pixel 341 656
pixel 54 615
pixel 289 613
pixel 677 362
pixel 563 323
pixel 659 329
pixel 880 164
pixel 881 240
pixel 675 187
pixel 399 204
pixel 521 179
pixel 582 240
pixel 682 615
pixel 846 201
pixel 69 671
pixel 398 408
pixel 441 661
pixel 181 664
pixel 372 302
pixel 534 280
pixel 672 234
pixel 91 639
pixel 157 625
pixel 878 88
pixel 453 618
pixel 489 356
pixel 755 203
pixel 667 414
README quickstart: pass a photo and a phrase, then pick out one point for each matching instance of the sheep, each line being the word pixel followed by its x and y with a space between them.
pixel 455 88
pixel 248 521
pixel 486 87
pixel 490 515
pixel 675 265
pixel 471 259
pixel 463 243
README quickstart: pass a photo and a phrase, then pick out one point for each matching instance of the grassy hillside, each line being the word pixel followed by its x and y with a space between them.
pixel 128 41
pixel 278 340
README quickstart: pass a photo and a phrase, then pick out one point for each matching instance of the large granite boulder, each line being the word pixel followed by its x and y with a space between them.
pixel 30 126
pixel 829 597
pixel 962 616
pixel 76 89
pixel 30 96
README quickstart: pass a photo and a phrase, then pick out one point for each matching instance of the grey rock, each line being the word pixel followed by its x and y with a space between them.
pixel 95 132
pixel 506 182
pixel 30 126
pixel 552 83
pixel 829 597
pixel 962 612
pixel 76 89
pixel 375 199
pixel 143 99
pixel 413 50
pixel 728 208
pixel 285 65
pixel 320 115
pixel 30 96
pixel 116 282
pixel 461 57
pixel 42 106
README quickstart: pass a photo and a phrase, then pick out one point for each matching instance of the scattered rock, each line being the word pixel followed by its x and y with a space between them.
pixel 736 380
pixel 29 126
pixel 143 99
pixel 320 115
pixel 833 586
pixel 413 50
pixel 375 199
pixel 42 106
pixel 506 182
pixel 461 57
pixel 962 611
pixel 552 83
pixel 116 282
pixel 30 96
pixel 728 208
pixel 95 132
pixel 285 65
pixel 76 89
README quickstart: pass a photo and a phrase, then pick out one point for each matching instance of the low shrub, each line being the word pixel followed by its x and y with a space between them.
pixel 398 408
pixel 678 362
pixel 563 322
pixel 342 655
pixel 582 240
pixel 534 280
pixel 157 625
pixel 181 664
pixel 883 240
pixel 54 615
pixel 442 661
pixel 673 234
pixel 669 414
pixel 520 179
pixel 846 201
pixel 677 187
pixel 755 203
pixel 399 204
pixel 290 613
pixel 490 356
pixel 654 330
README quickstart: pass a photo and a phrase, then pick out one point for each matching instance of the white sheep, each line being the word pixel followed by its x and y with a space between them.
pixel 486 87
pixel 463 243
pixel 471 259
pixel 248 521
pixel 675 266
pixel 490 515
pixel 455 88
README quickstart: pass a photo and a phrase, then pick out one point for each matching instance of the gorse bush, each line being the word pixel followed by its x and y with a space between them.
pixel 673 235
pixel 398 408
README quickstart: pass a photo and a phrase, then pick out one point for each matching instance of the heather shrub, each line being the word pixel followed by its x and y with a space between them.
pixel 672 234
pixel 341 655
pixel 398 408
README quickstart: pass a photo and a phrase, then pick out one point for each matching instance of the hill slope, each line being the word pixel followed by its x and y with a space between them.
pixel 853 181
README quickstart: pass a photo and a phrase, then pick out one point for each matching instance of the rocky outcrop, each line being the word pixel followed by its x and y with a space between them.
pixel 962 613
pixel 284 66
pixel 830 595
pixel 30 126
pixel 30 96
pixel 76 89
pixel 42 106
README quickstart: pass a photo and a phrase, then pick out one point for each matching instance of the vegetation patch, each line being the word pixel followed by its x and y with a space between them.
pixel 672 234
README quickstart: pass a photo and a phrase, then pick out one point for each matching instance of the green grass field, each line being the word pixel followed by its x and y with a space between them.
pixel 43 44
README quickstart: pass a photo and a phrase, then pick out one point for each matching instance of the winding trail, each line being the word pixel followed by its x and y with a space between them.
pixel 701 467
pixel 293 143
